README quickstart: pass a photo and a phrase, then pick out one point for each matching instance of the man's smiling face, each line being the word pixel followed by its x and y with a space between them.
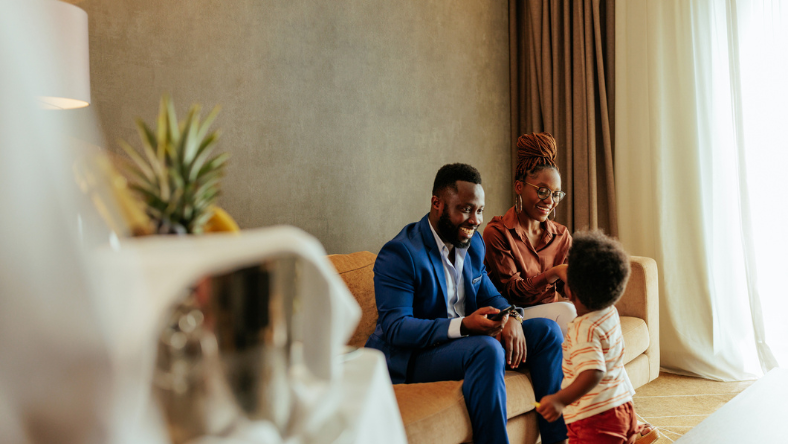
pixel 461 213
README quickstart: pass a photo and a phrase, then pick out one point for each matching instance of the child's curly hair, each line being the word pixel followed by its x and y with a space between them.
pixel 598 269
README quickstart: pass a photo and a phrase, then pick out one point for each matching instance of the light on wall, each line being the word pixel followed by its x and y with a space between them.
pixel 69 25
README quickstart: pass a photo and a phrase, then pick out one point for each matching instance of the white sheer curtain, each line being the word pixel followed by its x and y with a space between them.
pixel 700 153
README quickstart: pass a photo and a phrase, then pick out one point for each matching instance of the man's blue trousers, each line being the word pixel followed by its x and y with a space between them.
pixel 480 361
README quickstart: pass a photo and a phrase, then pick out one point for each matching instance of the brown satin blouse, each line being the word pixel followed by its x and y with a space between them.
pixel 516 267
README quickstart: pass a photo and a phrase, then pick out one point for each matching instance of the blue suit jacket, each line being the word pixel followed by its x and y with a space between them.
pixel 410 292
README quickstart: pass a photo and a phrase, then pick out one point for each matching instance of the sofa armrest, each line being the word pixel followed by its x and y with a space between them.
pixel 356 270
pixel 641 300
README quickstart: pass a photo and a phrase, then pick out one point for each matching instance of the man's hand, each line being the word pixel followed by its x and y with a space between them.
pixel 477 323
pixel 513 342
pixel 550 407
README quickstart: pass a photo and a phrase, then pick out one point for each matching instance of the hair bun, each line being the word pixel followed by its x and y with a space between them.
pixel 533 150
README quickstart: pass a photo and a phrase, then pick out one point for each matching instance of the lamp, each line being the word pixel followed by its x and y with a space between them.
pixel 69 28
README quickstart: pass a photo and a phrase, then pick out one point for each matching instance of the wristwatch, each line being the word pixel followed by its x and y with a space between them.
pixel 517 313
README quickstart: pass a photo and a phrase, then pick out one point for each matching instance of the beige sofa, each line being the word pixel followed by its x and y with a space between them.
pixel 435 413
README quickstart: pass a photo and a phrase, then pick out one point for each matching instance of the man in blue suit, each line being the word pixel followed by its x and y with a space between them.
pixel 433 297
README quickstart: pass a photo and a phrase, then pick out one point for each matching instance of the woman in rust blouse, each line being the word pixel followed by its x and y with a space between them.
pixel 526 251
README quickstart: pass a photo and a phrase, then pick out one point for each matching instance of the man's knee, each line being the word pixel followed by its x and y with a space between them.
pixel 487 350
pixel 544 331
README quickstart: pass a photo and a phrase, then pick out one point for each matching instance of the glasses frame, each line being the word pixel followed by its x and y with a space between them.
pixel 558 196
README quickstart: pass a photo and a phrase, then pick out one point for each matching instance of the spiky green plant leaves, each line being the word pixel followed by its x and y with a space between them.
pixel 176 174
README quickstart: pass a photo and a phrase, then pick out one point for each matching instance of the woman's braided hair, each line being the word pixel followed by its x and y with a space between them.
pixel 535 152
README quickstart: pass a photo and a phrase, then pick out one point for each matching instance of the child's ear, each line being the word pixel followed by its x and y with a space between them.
pixel 568 293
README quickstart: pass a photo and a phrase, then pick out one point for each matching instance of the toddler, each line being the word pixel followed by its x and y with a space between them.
pixel 595 396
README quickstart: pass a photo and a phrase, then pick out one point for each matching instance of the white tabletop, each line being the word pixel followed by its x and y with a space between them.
pixel 755 415
pixel 368 403
pixel 366 412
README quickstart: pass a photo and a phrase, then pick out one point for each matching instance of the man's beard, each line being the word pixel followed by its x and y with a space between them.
pixel 450 232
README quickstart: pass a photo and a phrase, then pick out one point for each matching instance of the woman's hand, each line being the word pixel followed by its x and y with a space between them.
pixel 513 341
pixel 556 273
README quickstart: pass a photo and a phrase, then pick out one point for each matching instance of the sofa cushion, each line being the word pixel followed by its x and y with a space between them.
pixel 638 370
pixel 636 338
pixel 435 412
pixel 356 270
pixel 519 393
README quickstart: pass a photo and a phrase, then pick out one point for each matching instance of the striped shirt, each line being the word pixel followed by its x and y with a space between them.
pixel 594 342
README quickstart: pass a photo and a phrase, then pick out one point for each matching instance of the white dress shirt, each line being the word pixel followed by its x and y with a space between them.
pixel 455 286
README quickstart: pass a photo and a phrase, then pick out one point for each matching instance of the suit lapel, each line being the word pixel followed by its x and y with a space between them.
pixel 434 254
pixel 467 277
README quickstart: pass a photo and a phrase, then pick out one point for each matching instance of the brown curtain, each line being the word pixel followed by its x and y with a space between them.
pixel 561 74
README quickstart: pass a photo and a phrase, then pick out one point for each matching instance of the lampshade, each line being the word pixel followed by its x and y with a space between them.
pixel 68 40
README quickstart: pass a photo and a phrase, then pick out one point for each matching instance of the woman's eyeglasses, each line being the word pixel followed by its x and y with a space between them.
pixel 544 192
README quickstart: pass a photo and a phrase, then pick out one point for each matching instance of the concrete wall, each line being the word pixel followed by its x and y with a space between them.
pixel 337 113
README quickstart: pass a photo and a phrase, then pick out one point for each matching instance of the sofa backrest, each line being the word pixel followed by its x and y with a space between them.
pixel 356 270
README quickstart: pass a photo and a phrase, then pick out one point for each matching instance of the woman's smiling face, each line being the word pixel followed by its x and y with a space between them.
pixel 533 207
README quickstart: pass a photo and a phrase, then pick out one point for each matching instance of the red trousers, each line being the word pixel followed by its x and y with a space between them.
pixel 614 426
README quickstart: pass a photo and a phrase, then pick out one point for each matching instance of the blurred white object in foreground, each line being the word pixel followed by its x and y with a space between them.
pixel 80 311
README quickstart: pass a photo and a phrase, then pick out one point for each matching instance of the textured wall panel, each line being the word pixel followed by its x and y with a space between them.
pixel 337 113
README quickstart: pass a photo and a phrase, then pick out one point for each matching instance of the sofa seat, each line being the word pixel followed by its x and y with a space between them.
pixel 435 413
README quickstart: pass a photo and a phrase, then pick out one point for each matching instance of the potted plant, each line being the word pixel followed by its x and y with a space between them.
pixel 176 174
